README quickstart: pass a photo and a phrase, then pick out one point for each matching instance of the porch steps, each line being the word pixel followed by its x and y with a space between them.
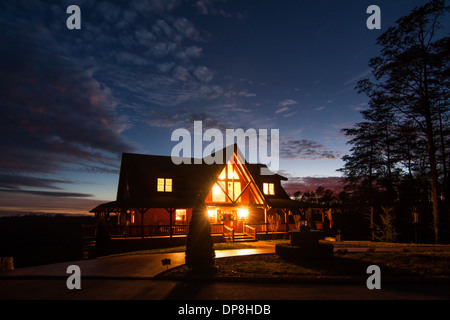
pixel 88 248
pixel 243 237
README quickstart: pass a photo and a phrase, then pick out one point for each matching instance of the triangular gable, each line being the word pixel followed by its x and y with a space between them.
pixel 231 155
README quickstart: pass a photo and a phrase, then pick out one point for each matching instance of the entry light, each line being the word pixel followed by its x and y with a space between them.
pixel 243 213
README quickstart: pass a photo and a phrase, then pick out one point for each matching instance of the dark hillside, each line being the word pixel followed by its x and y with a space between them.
pixel 42 239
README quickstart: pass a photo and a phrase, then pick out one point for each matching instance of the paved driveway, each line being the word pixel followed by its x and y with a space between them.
pixel 129 277
pixel 127 266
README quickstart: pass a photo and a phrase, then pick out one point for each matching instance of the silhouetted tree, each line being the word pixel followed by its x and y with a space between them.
pixel 199 244
pixel 408 97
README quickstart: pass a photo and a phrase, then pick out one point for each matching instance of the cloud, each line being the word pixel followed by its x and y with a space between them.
pixel 184 118
pixel 287 102
pixel 289 114
pixel 21 202
pixel 303 149
pixel 209 7
pixel 54 114
pixel 68 96
pixel 308 184
pixel 13 181
pixel 358 77
pixel 284 109
pixel 203 74
pixel 50 193
pixel 246 94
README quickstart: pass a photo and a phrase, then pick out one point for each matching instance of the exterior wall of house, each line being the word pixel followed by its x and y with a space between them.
pixel 160 216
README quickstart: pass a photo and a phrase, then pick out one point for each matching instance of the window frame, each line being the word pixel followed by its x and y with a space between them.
pixel 164 184
pixel 269 188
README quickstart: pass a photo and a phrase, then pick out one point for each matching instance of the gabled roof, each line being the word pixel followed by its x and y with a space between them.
pixel 138 174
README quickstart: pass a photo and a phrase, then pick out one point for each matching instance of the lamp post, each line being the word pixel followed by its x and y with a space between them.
pixel 415 221
pixel 303 223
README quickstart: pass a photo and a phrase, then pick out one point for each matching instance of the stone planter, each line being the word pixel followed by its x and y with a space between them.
pixel 304 246
pixel 304 238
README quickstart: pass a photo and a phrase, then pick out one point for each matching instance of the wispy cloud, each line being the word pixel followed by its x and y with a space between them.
pixel 358 77
pixel 284 109
pixel 304 149
pixel 287 102
pixel 309 184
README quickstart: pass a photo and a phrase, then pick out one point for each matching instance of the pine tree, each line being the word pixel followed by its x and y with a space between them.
pixel 411 78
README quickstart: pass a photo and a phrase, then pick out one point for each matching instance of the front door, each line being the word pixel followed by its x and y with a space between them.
pixel 230 218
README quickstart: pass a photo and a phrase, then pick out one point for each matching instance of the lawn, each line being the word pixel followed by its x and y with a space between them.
pixel 271 266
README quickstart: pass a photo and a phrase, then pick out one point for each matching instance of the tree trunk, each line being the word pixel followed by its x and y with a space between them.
pixel 434 175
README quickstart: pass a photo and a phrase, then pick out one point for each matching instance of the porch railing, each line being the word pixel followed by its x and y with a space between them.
pixel 266 228
pixel 251 231
pixel 228 233
pixel 135 231
pixel 148 230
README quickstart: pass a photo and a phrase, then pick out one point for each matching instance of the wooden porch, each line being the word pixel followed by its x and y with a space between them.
pixel 251 231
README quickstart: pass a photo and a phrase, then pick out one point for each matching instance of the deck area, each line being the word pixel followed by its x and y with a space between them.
pixel 248 231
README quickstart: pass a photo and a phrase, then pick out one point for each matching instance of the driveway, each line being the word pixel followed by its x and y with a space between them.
pixel 143 266
pixel 130 277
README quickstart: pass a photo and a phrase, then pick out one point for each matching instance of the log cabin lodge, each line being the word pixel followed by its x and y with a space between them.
pixel 155 197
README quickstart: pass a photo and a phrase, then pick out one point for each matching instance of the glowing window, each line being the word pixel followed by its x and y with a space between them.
pixel 168 185
pixel 229 172
pixel 268 188
pixel 180 215
pixel 234 190
pixel 217 193
pixel 164 185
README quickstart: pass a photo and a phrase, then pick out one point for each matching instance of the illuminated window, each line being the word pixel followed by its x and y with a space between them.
pixel 168 185
pixel 164 185
pixel 180 215
pixel 217 193
pixel 268 188
pixel 229 172
pixel 228 184
pixel 234 190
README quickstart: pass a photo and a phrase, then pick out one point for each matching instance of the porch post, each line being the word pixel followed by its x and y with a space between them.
pixel 286 220
pixel 265 220
pixel 171 223
pixel 170 211
pixel 142 211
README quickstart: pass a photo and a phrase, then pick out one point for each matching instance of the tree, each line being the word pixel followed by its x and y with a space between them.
pixel 200 254
pixel 385 231
pixel 362 167
pixel 409 79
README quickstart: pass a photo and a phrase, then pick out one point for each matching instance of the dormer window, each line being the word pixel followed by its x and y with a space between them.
pixel 268 189
pixel 164 185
